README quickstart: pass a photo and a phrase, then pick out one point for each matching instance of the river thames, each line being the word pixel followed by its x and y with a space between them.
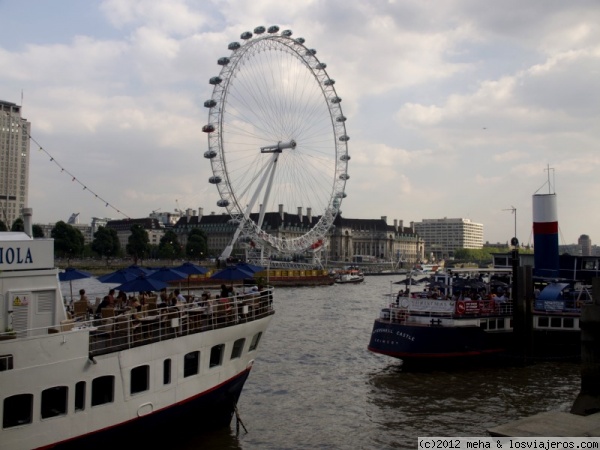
pixel 314 384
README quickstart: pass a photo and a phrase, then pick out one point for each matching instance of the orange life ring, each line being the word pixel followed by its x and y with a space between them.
pixel 460 307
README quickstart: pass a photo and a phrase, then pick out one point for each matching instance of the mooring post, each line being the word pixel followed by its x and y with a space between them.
pixel 588 400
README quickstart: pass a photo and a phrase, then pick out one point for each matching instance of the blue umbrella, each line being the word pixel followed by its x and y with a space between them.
pixel 118 276
pixel 167 274
pixel 232 273
pixel 142 283
pixel 137 270
pixel 250 267
pixel 191 269
pixel 70 274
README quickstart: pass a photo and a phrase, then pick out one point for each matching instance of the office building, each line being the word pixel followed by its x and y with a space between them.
pixel 443 236
pixel 14 162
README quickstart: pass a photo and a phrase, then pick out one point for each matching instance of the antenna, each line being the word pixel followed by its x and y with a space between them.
pixel 514 211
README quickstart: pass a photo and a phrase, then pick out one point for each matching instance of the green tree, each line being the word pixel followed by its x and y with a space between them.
pixel 196 246
pixel 18 225
pixel 68 240
pixel 169 246
pixel 3 226
pixel 106 243
pixel 37 231
pixel 138 243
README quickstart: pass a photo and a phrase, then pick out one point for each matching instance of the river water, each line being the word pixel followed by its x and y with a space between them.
pixel 314 384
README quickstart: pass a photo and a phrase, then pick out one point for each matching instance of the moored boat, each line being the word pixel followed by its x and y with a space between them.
pixel 69 383
pixel 351 276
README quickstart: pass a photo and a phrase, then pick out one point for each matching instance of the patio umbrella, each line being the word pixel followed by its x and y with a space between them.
pixel 166 274
pixel 191 269
pixel 232 273
pixel 70 274
pixel 137 270
pixel 118 276
pixel 142 283
pixel 250 267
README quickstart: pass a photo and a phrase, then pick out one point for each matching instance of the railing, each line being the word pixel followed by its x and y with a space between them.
pixel 119 329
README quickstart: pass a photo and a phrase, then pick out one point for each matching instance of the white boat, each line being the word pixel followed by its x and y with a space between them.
pixel 81 384
pixel 349 277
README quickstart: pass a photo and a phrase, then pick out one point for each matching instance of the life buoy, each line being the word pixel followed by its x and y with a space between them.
pixel 460 307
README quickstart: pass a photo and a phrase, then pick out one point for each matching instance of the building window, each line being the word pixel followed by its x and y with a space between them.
pixel 167 371
pixel 238 347
pixel 17 410
pixel 255 341
pixel 54 402
pixel 216 355
pixel 191 364
pixel 140 379
pixel 103 390
pixel 80 396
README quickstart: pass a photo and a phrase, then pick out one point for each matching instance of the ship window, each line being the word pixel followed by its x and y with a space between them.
pixel 6 362
pixel 167 371
pixel 80 396
pixel 568 322
pixel 492 324
pixel 238 347
pixel 216 355
pixel 556 322
pixel 103 390
pixel 543 322
pixel 54 401
pixel 191 364
pixel 255 341
pixel 17 410
pixel 500 323
pixel 140 379
pixel 483 324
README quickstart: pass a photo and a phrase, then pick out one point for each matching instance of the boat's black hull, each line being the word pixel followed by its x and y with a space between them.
pixel 427 345
pixel 209 411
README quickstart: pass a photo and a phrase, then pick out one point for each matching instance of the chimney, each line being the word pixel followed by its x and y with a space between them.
pixel 384 218
pixel 200 212
pixel 300 213
pixel 401 225
pixel 281 211
pixel 412 227
pixel 27 224
pixel 309 215
pixel 396 224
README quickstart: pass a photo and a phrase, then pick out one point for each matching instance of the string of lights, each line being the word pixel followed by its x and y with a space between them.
pixel 74 179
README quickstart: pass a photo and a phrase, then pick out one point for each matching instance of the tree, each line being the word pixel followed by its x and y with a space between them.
pixel 169 246
pixel 3 226
pixel 106 243
pixel 37 231
pixel 68 240
pixel 138 243
pixel 18 225
pixel 196 246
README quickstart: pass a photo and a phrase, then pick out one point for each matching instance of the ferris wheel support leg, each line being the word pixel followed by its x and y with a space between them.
pixel 269 173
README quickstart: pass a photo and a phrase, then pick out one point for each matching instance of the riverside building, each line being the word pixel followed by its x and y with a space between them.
pixel 443 236
pixel 14 162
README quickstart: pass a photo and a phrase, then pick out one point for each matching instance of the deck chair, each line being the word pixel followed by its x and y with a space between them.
pixel 67 324
pixel 80 310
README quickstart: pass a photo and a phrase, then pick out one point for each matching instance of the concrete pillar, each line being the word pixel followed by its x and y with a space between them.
pixel 588 400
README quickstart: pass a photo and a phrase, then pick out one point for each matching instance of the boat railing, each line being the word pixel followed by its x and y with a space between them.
pixel 122 329
pixel 405 311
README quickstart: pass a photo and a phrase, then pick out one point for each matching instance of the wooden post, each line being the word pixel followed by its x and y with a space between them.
pixel 588 400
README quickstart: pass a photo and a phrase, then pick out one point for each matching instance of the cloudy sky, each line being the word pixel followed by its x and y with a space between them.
pixel 455 108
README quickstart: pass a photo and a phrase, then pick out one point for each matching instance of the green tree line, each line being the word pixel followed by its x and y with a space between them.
pixel 69 243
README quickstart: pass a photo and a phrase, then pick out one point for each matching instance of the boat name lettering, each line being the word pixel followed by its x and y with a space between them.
pixel 17 255
pixel 404 335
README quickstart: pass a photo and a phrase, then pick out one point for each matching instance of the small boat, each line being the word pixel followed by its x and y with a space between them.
pixel 349 277
pixel 70 383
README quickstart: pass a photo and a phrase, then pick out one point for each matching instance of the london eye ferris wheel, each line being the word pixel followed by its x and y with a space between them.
pixel 276 138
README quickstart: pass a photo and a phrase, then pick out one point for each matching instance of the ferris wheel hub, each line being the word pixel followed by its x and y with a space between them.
pixel 277 148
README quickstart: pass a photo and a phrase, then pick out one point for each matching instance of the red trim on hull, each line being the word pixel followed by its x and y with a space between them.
pixel 545 228
pixel 189 399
